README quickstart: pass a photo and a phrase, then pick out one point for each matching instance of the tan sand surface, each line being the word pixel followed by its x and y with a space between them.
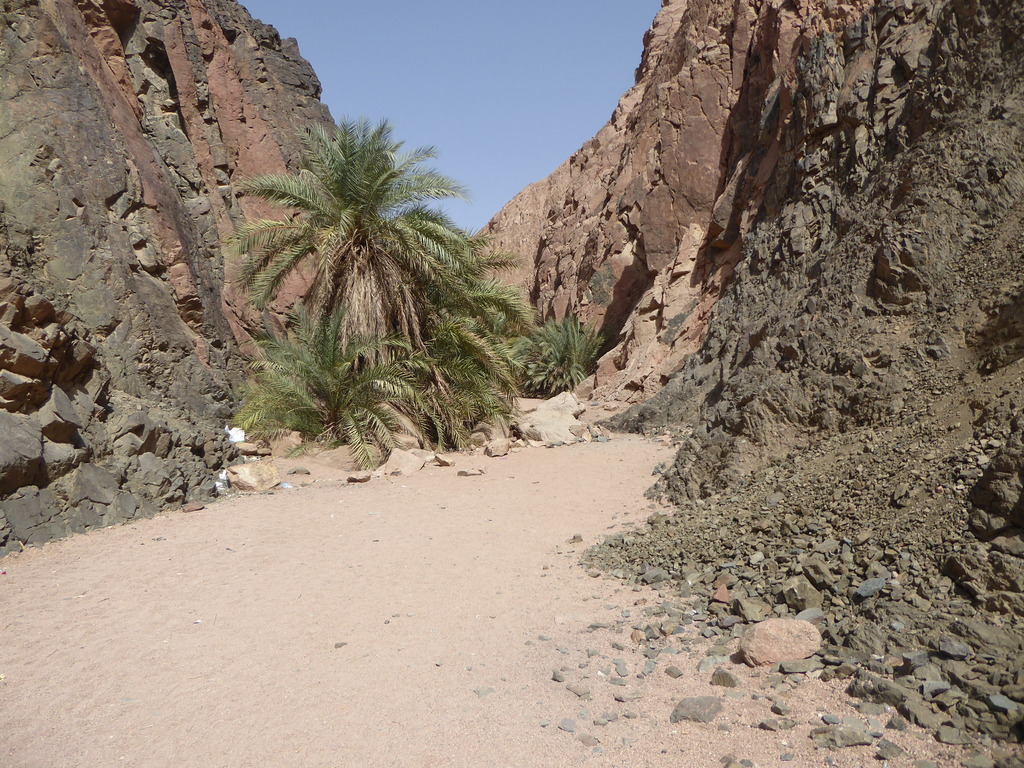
pixel 411 621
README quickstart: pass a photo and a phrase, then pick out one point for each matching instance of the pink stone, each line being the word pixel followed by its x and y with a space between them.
pixel 775 640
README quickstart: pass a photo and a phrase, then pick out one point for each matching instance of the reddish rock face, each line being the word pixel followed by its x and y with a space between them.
pixel 641 229
pixel 125 126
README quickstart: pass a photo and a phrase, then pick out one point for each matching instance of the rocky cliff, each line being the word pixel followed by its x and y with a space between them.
pixel 804 230
pixel 124 125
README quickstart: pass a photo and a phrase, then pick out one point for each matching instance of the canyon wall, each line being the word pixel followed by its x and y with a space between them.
pixel 803 230
pixel 125 125
pixel 735 105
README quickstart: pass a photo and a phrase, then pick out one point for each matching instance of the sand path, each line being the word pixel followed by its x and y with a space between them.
pixel 407 622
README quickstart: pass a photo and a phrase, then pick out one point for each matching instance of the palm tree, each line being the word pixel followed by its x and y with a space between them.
pixel 385 264
pixel 363 229
pixel 558 356
pixel 313 382
pixel 469 369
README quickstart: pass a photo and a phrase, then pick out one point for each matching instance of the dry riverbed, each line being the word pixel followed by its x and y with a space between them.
pixel 429 620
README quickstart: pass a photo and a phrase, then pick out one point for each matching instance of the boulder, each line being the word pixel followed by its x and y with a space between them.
pixel 34 516
pixel 92 482
pixel 153 477
pixel 408 442
pixel 20 354
pixel 252 449
pixel 1000 489
pixel 402 463
pixel 59 418
pixel 775 640
pixel 61 458
pixel 498 447
pixel 485 433
pixel 254 477
pixel 554 421
pixel 21 452
pixel 699 709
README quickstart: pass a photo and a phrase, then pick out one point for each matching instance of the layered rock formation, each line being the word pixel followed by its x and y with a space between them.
pixel 125 125
pixel 804 228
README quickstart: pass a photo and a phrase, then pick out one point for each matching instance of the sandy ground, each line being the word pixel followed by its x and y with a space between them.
pixel 410 621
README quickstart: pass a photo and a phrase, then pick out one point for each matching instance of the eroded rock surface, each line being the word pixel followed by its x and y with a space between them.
pixel 804 228
pixel 125 125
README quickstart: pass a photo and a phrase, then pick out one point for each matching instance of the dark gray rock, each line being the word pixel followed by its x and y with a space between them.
pixel 724 678
pixel 33 516
pixel 800 594
pixel 699 709
pixel 840 737
pixel 93 483
pixel 888 750
pixel 59 419
pixel 870 588
pixel 21 452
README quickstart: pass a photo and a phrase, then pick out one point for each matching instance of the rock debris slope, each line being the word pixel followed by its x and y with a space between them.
pixel 805 225
pixel 124 126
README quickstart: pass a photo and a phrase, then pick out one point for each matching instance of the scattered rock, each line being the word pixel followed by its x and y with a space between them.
pixel 724 678
pixel 800 594
pixel 699 709
pixel 840 737
pixel 580 690
pixel 888 750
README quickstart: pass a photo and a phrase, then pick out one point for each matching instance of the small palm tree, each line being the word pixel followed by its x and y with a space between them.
pixel 558 356
pixel 312 382
pixel 363 228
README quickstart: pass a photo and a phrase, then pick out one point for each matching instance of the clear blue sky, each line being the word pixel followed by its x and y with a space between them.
pixel 505 91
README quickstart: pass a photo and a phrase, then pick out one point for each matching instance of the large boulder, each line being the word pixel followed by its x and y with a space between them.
pixel 775 640
pixel 403 463
pixel 33 516
pixel 1000 492
pixel 59 419
pixel 254 477
pixel 21 452
pixel 554 421
pixel 93 483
